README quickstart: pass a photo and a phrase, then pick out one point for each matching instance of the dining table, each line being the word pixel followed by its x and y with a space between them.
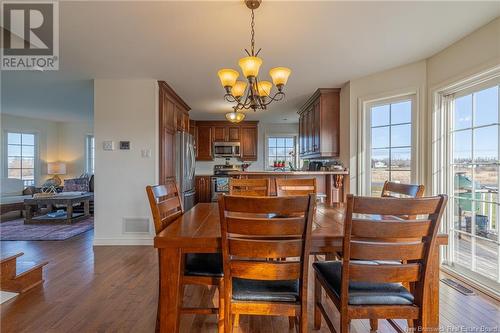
pixel 198 231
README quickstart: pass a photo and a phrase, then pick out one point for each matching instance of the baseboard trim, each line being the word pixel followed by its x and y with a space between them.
pixel 123 241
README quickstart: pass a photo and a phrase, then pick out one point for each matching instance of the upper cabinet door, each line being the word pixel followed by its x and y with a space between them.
pixel 319 125
pixel 249 139
pixel 204 143
pixel 219 134
pixel 233 133
pixel 316 127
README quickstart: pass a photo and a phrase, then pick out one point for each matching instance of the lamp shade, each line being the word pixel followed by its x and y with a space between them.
pixel 56 168
pixel 264 88
pixel 235 117
pixel 280 75
pixel 228 77
pixel 250 66
pixel 239 88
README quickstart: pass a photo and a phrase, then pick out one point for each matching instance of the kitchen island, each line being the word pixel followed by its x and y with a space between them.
pixel 332 185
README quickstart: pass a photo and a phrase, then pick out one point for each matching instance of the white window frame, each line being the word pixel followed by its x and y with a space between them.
pixel 364 131
pixel 88 168
pixel 36 156
pixel 442 176
pixel 280 135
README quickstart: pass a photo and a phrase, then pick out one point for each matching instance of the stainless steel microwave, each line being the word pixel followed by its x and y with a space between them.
pixel 226 149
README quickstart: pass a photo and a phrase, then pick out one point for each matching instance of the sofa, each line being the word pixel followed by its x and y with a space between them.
pixel 12 195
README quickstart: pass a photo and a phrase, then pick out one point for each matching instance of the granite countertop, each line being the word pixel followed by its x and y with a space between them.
pixel 298 173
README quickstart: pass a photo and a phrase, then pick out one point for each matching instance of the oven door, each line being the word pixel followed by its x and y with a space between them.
pixel 220 185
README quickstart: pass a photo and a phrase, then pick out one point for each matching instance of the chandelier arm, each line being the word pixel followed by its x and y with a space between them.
pixel 230 98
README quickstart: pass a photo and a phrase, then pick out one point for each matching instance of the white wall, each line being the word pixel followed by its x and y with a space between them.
pixel 57 141
pixel 72 136
pixel 265 130
pixel 124 110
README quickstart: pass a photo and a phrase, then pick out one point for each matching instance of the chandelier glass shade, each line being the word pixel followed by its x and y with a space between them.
pixel 235 117
pixel 253 93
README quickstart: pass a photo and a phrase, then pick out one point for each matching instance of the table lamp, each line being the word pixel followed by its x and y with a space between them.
pixel 56 169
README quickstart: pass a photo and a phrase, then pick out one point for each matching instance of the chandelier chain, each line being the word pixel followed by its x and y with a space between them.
pixel 253 34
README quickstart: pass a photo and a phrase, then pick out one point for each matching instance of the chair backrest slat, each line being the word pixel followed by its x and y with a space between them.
pixel 295 186
pixel 165 203
pixel 386 250
pixel 392 189
pixel 266 270
pixel 264 248
pixel 256 229
pixel 260 226
pixel 390 228
pixel 258 205
pixel 385 273
pixel 397 250
pixel 249 187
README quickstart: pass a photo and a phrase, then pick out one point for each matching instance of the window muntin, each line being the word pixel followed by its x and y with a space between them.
pixel 21 149
pixel 280 148
pixel 390 143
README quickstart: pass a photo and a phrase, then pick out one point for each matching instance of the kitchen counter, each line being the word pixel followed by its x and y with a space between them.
pixel 291 173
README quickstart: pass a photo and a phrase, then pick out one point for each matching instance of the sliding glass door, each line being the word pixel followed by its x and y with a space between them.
pixel 473 182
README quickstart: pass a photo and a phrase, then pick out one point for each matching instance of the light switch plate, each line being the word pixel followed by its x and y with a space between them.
pixel 108 145
pixel 146 153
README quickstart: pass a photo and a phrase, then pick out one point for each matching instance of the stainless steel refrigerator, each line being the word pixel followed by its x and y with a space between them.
pixel 184 170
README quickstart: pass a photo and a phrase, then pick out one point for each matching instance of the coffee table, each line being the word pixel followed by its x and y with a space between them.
pixel 31 206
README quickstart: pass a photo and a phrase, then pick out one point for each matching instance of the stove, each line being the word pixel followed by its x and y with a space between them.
pixel 224 169
pixel 220 179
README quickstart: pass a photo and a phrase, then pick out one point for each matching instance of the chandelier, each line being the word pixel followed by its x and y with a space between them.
pixel 253 93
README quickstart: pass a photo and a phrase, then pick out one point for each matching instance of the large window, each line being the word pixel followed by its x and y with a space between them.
pixel 280 148
pixel 473 182
pixel 21 150
pixel 90 154
pixel 390 143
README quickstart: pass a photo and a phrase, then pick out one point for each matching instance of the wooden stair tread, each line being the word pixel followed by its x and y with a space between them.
pixel 10 256
pixel 25 267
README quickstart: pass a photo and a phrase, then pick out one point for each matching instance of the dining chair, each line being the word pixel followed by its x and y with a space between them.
pixel 378 257
pixel 392 190
pixel 253 284
pixel 295 186
pixel 249 187
pixel 199 268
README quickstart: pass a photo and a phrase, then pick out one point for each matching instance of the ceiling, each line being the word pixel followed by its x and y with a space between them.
pixel 325 43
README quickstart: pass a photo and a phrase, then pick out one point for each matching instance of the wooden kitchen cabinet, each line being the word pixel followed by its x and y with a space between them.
pixel 233 133
pixel 249 143
pixel 173 117
pixel 203 189
pixel 208 132
pixel 219 133
pixel 319 125
pixel 204 140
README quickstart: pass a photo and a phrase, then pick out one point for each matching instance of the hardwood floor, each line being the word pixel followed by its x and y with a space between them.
pixel 114 289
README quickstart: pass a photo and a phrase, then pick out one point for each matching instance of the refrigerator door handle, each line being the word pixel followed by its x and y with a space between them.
pixel 192 162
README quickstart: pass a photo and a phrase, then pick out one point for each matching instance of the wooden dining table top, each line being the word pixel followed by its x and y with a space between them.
pixel 199 230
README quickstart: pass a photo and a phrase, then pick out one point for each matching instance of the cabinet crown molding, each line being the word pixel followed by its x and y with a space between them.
pixel 174 95
pixel 314 97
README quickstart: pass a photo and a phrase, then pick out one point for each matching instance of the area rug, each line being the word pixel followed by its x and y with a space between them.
pixel 16 230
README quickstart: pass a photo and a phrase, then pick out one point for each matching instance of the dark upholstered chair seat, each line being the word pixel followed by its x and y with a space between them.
pixel 363 293
pixel 260 290
pixel 203 264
